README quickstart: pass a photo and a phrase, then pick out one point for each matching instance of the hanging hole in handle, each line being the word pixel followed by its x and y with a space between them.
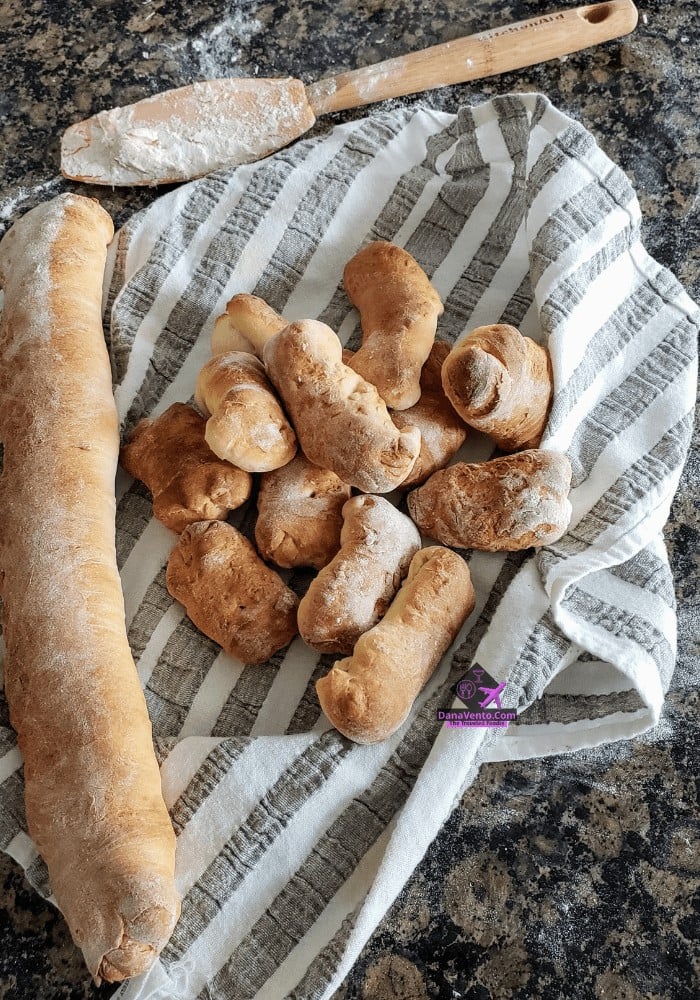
pixel 597 14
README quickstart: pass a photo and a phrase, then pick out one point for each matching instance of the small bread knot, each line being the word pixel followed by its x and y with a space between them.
pixel 500 383
pixel 484 379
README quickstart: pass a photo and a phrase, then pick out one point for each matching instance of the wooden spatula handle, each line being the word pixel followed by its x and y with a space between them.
pixel 513 46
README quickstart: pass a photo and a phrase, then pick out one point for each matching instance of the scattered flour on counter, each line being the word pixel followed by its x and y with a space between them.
pixel 212 55
pixel 212 127
pixel 23 198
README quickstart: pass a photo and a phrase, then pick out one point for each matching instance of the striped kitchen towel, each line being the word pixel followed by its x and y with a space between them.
pixel 292 841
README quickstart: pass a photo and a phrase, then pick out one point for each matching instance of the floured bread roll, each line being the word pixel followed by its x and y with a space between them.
pixel 246 425
pixel 229 592
pixel 354 590
pixel 187 480
pixel 341 421
pixel 300 514
pixel 369 695
pixel 503 505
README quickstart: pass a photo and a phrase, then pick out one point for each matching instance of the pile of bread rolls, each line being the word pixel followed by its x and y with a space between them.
pixel 323 435
pixel 327 433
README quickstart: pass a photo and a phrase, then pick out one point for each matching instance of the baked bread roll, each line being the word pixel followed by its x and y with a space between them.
pixel 399 309
pixel 442 431
pixel 354 590
pixel 229 592
pixel 341 421
pixel 188 482
pixel 502 505
pixel 369 695
pixel 246 425
pixel 92 784
pixel 300 514
pixel 247 325
pixel 500 383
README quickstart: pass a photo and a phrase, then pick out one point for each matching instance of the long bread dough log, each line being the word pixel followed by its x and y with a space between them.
pixel 300 514
pixel 187 480
pixel 369 695
pixel 92 784
pixel 399 309
pixel 354 590
pixel 246 425
pixel 503 505
pixel 341 421
pixel 500 383
pixel 442 431
pixel 247 325
pixel 229 592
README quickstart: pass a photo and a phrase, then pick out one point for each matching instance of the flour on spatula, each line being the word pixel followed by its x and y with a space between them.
pixel 187 133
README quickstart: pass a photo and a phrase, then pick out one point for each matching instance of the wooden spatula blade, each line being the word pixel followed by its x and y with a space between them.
pixel 186 133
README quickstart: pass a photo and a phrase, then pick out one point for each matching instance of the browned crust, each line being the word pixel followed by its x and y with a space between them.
pixel 188 482
pixel 442 430
pixel 500 383
pixel 502 505
pixel 247 325
pixel 354 590
pixel 399 309
pixel 246 424
pixel 300 514
pixel 369 695
pixel 229 592
pixel 341 421
pixel 94 803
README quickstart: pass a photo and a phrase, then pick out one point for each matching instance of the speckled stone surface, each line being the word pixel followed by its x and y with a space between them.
pixel 570 877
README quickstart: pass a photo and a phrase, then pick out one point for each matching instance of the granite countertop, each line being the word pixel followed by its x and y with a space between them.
pixel 573 876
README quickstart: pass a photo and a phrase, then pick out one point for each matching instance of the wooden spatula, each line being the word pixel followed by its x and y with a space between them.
pixel 185 133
